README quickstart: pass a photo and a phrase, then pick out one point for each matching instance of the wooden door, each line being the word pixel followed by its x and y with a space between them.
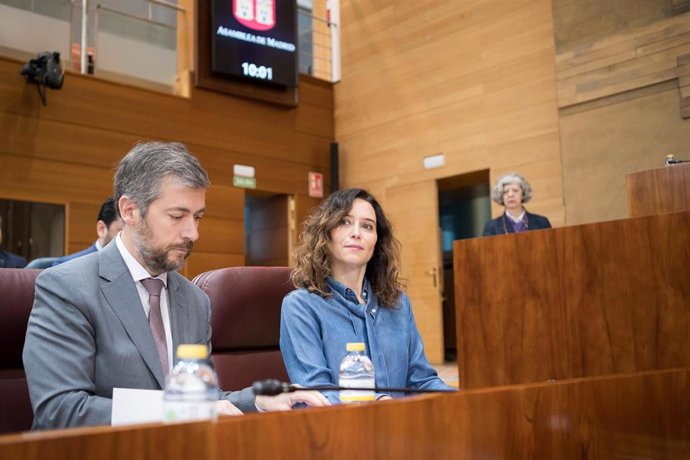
pixel 267 230
pixel 413 209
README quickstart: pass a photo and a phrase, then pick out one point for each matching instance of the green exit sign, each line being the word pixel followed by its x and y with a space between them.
pixel 244 182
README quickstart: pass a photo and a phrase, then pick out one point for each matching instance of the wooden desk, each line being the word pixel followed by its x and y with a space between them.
pixel 588 300
pixel 644 415
pixel 169 442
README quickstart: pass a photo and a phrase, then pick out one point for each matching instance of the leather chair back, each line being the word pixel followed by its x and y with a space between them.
pixel 245 317
pixel 17 286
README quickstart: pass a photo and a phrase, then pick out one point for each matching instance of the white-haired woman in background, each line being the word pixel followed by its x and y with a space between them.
pixel 511 191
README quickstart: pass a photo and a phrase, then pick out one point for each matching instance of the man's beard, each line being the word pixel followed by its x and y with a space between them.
pixel 156 260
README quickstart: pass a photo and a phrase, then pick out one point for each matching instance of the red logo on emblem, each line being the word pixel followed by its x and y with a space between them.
pixel 255 14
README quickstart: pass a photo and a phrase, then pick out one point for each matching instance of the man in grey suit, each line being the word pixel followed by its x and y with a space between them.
pixel 89 329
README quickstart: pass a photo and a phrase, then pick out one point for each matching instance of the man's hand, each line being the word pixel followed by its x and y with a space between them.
pixel 285 401
pixel 224 407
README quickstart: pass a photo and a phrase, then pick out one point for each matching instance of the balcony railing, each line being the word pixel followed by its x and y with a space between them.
pixel 136 40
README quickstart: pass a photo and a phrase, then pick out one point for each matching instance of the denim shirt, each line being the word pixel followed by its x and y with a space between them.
pixel 314 331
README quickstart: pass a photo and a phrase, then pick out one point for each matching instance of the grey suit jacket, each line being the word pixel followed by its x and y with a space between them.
pixel 88 334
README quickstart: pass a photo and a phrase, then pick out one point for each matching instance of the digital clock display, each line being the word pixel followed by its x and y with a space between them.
pixel 257 71
pixel 255 40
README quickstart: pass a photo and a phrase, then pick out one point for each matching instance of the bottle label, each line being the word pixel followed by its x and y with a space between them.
pixel 185 411
pixel 353 396
pixel 350 396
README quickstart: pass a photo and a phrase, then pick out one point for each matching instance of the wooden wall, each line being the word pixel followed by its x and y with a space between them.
pixel 65 152
pixel 622 109
pixel 578 23
pixel 484 83
pixel 474 80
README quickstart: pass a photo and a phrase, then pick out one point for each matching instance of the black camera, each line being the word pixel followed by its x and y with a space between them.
pixel 45 70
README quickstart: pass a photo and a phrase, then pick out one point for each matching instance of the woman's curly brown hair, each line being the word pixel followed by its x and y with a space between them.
pixel 313 258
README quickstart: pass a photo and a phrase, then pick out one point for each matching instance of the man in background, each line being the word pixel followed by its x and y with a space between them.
pixel 7 259
pixel 107 228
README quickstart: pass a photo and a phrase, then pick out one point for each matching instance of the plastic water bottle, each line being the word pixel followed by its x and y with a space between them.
pixel 356 371
pixel 191 390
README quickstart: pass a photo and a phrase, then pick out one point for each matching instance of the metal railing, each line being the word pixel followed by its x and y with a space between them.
pixel 316 51
pixel 117 31
pixel 318 44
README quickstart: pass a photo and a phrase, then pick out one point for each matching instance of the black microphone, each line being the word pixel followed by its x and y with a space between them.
pixel 273 387
pixel 670 160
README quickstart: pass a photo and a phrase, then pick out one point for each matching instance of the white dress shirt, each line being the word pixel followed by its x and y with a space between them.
pixel 139 273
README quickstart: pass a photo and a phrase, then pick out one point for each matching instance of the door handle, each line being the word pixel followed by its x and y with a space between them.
pixel 433 273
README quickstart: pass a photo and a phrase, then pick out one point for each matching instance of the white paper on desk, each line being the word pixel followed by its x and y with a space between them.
pixel 132 405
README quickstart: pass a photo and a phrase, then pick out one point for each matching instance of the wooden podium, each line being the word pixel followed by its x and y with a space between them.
pixel 659 191
pixel 572 302
pixel 579 306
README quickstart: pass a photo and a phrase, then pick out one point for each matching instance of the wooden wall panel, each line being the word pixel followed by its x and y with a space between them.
pixel 579 22
pixel 79 234
pixel 473 80
pixel 621 107
pixel 586 300
pixel 223 201
pixel 66 151
pixel 684 85
pixel 209 119
pixel 605 140
pixel 633 59
pixel 53 140
pixel 41 180
pixel 279 176
pixel 221 235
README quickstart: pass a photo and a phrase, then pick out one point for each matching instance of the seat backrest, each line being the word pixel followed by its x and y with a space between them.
pixel 17 287
pixel 245 306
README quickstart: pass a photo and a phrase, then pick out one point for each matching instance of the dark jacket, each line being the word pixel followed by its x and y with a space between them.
pixel 502 224
pixel 69 257
pixel 9 260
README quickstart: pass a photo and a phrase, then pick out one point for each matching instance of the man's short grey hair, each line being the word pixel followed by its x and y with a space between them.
pixel 497 192
pixel 141 171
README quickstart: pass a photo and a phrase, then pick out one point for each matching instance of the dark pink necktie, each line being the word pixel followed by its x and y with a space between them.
pixel 153 287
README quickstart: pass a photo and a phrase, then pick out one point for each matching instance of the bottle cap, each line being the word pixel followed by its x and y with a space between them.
pixel 355 346
pixel 192 351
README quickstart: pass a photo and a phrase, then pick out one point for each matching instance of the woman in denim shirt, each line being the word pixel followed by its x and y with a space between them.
pixel 348 291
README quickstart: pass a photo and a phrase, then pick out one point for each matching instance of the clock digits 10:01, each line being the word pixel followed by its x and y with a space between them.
pixel 257 71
